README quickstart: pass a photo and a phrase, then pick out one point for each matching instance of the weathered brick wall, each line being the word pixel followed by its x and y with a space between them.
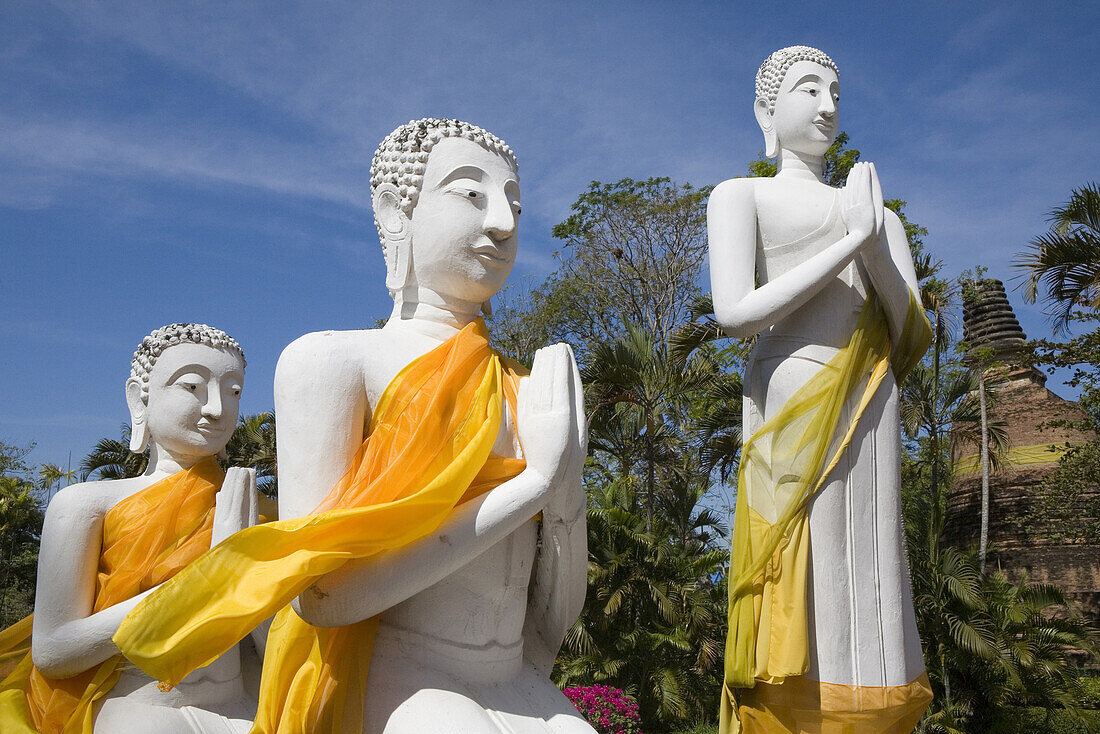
pixel 1026 407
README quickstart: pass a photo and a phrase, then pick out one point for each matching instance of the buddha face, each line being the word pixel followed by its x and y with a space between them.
pixel 805 116
pixel 193 400
pixel 462 230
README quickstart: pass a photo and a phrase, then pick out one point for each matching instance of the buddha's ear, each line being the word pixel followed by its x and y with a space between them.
pixel 767 126
pixel 394 227
pixel 139 416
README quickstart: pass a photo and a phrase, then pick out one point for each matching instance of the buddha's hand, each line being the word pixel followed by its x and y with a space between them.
pixel 552 427
pixel 236 505
pixel 861 203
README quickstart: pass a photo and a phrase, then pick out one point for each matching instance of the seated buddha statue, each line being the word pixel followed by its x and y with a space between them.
pixel 108 544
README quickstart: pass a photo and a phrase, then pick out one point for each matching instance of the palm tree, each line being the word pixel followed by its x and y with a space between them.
pixel 937 296
pixel 112 459
pixel 719 419
pixel 253 445
pixel 663 418
pixel 52 476
pixel 20 527
pixel 932 401
pixel 635 375
pixel 1067 258
pixel 991 644
pixel 653 621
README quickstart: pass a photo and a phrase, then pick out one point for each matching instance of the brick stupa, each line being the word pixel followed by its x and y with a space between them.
pixel 1026 408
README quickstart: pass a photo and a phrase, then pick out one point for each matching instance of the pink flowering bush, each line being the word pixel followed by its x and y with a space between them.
pixel 608 710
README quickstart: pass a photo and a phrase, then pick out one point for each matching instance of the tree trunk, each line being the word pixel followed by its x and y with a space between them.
pixel 651 481
pixel 983 541
pixel 934 442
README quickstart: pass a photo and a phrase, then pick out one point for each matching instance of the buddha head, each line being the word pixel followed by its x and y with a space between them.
pixel 446 204
pixel 797 93
pixel 184 390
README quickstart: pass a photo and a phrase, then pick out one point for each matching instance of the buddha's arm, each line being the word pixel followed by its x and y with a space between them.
pixel 236 508
pixel 890 265
pixel 322 405
pixel 67 638
pixel 559 582
pixel 559 578
pixel 547 427
pixel 743 309
pixel 363 589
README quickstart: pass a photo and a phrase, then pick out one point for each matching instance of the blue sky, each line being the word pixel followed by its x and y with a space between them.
pixel 192 161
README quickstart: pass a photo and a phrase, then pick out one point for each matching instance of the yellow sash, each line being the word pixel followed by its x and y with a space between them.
pixel 427 449
pixel 147 538
pixel 783 464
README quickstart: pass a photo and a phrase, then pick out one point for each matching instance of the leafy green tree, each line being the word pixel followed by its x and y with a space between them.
pixel 627 282
pixel 1066 508
pixel 931 403
pixel 21 516
pixel 633 255
pixel 635 373
pixel 1067 258
pixel 990 644
pixel 718 411
pixel 653 622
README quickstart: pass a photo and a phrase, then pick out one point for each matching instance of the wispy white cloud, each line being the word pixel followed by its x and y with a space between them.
pixel 42 151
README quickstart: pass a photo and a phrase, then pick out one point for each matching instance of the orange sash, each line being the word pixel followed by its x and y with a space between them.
pixel 147 538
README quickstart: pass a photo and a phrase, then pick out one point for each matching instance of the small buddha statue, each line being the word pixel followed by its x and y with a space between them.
pixel 106 545
pixel 431 550
pixel 822 628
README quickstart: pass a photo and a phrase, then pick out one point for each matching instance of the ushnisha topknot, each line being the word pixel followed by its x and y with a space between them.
pixel 403 155
pixel 154 345
pixel 772 71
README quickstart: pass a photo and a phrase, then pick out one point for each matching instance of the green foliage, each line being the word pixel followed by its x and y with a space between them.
pixel 253 445
pixel 653 622
pixel 1081 355
pixel 699 729
pixel 654 618
pixel 21 515
pixel 634 253
pixel 1031 719
pixel 1066 508
pixel 1067 258
pixel 991 646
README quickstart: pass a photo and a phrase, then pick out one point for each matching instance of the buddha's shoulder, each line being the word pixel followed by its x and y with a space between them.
pixel 94 498
pixel 328 354
pixel 733 188
pixel 733 195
